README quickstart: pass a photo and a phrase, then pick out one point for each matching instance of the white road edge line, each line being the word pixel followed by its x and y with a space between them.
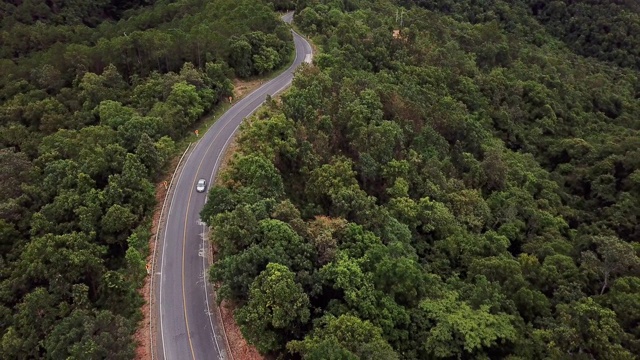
pixel 204 279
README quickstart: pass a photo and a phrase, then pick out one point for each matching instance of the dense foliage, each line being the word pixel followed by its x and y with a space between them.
pixel 604 29
pixel 469 189
pixel 607 30
pixel 93 95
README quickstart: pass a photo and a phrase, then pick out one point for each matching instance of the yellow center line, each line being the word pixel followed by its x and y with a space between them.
pixel 184 298
pixel 184 236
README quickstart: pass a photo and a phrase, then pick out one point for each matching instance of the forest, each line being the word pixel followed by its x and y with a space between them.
pixel 95 97
pixel 466 188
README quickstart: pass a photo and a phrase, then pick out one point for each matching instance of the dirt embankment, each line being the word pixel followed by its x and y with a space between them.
pixel 143 351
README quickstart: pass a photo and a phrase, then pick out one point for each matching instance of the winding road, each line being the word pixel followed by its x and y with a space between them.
pixel 185 323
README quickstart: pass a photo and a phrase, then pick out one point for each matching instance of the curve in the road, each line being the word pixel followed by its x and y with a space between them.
pixel 186 329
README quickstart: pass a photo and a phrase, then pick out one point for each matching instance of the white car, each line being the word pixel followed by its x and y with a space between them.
pixel 201 186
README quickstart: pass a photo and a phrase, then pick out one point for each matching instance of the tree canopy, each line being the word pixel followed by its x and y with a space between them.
pixel 94 96
pixel 463 184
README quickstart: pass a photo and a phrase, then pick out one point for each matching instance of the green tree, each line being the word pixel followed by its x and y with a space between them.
pixel 96 88
pixel 277 306
pixel 92 98
pixel 240 57
pixel 148 154
pixel 14 171
pixel 113 113
pixel 266 60
pixel 285 245
pixel 35 314
pixel 624 299
pixel 116 224
pixel 258 174
pixel 460 330
pixel 278 130
pixel 220 83
pixel 60 261
pixel 164 149
pixel 344 337
pixel 184 97
pixel 586 329
pixel 612 258
pixel 90 335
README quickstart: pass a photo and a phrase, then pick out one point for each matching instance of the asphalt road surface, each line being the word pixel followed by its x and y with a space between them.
pixel 185 328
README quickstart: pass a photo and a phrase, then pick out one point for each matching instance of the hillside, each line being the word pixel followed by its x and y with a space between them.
pixel 94 98
pixel 469 189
